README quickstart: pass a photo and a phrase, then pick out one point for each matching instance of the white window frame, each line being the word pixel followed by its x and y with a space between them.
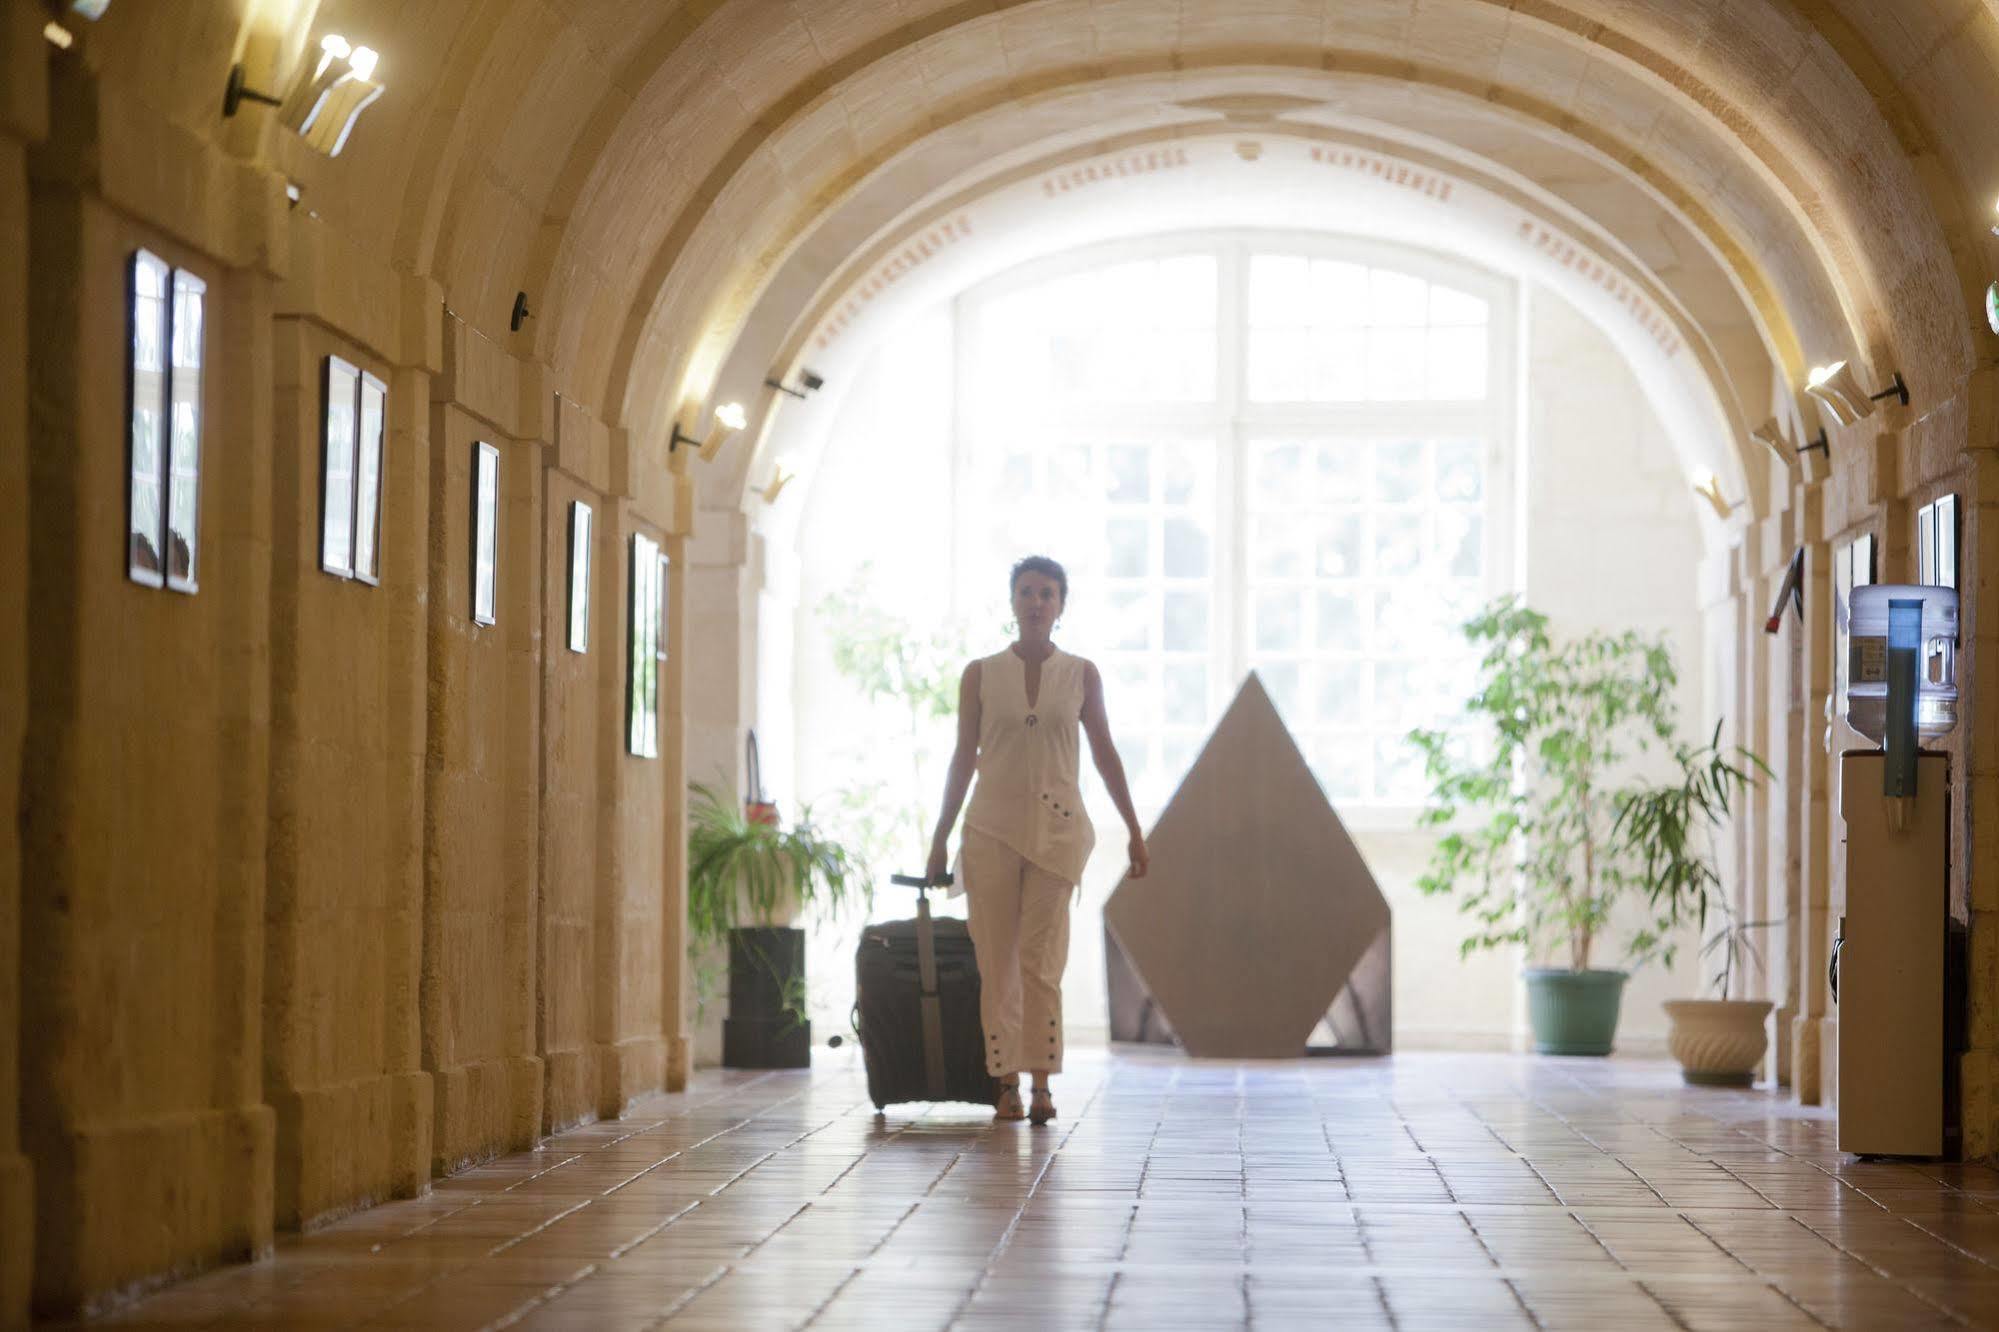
pixel 486 554
pixel 1232 420
pixel 173 385
pixel 361 560
pixel 581 522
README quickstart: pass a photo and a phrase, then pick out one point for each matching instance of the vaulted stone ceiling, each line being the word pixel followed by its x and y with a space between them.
pixel 1809 179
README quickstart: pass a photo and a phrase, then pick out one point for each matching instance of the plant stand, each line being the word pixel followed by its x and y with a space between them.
pixel 766 1026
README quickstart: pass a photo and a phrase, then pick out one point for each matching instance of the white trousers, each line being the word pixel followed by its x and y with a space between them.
pixel 1019 921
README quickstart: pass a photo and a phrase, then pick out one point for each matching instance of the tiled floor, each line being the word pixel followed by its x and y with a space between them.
pixel 1459 1191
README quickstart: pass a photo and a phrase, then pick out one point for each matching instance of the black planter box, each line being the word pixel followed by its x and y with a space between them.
pixel 765 964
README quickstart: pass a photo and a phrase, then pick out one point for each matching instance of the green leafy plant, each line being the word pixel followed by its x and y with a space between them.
pixel 1728 948
pixel 1670 829
pixel 744 873
pixel 1546 866
pixel 912 673
pixel 741 872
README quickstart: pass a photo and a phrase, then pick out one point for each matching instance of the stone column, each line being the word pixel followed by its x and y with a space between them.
pixel 719 693
pixel 1812 828
pixel 1978 684
pixel 478 989
pixel 1783 725
pixel 23 110
pixel 147 744
pixel 348 670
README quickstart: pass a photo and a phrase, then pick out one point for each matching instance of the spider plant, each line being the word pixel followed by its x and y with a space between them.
pixel 744 873
pixel 1669 831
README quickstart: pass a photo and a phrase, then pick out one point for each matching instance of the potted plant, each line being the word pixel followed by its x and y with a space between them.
pixel 1718 1041
pixel 1530 812
pixel 747 878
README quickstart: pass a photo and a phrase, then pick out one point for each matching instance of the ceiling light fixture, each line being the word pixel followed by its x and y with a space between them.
pixel 324 107
pixel 1839 389
pixel 729 418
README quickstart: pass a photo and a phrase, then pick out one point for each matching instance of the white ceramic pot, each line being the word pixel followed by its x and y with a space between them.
pixel 1718 1042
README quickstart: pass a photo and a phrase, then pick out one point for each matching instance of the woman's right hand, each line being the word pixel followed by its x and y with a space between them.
pixel 940 862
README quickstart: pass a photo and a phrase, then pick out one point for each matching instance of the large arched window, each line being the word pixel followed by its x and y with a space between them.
pixel 1255 451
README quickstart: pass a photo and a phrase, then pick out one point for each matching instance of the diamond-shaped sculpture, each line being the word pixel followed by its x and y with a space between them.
pixel 1259 921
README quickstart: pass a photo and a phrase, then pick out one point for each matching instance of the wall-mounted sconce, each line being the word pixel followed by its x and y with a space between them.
pixel 1839 389
pixel 1708 487
pixel 520 313
pixel 322 108
pixel 1772 435
pixel 729 418
pixel 779 479
pixel 811 382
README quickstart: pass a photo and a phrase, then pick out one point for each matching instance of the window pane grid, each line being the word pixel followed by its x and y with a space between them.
pixel 1325 330
pixel 1358 579
pixel 1345 545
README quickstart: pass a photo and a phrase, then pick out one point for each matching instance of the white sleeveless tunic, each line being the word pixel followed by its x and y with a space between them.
pixel 1028 794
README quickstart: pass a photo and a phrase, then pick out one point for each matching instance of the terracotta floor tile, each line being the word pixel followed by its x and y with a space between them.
pixel 1450 1191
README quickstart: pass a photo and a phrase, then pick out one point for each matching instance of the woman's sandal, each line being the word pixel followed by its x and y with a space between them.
pixel 1008 1106
pixel 1044 1106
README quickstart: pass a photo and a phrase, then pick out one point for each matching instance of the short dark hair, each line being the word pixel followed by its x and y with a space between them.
pixel 1047 568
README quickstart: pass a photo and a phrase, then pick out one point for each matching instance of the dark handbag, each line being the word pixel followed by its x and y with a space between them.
pixel 757 808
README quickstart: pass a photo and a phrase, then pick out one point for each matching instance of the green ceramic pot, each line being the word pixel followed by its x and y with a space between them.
pixel 1573 1012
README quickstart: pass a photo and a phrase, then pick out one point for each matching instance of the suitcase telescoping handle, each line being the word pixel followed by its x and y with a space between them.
pixel 926 970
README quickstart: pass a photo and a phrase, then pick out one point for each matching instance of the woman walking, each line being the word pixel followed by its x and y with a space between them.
pixel 1027 837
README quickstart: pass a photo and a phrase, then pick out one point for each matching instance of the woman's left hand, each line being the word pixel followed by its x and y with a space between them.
pixel 1140 861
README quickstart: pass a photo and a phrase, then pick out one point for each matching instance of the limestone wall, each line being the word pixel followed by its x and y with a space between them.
pixel 144 761
pixel 330 888
pixel 23 104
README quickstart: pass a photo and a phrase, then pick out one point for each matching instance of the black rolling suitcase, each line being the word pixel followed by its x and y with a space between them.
pixel 916 1009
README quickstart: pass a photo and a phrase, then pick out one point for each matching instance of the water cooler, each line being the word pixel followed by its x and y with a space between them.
pixel 1888 961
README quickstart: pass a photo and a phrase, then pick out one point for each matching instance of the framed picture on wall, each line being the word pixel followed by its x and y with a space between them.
pixel 353 420
pixel 339 429
pixel 1936 542
pixel 184 431
pixel 165 323
pixel 642 736
pixel 485 532
pixel 579 576
pixel 374 418
pixel 146 387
